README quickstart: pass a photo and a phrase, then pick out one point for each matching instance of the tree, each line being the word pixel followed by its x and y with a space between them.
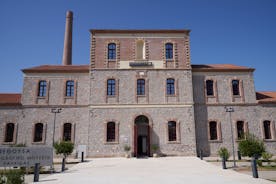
pixel 251 146
pixel 224 153
pixel 65 148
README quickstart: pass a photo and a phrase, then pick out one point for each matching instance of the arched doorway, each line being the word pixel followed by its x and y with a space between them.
pixel 141 136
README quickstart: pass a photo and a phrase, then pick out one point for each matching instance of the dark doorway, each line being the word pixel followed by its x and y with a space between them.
pixel 141 136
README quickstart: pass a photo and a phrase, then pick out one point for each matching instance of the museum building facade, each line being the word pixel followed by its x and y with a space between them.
pixel 140 89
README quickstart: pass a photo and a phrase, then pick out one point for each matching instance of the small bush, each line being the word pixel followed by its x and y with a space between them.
pixel 127 148
pixel 64 147
pixel 224 153
pixel 266 157
pixel 251 146
pixel 154 148
pixel 13 176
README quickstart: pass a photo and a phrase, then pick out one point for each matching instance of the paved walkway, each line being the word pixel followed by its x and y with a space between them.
pixel 175 170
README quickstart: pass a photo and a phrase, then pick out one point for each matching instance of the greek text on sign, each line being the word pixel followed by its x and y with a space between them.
pixel 25 156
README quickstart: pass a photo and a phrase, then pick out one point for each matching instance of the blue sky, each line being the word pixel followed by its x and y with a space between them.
pixel 241 32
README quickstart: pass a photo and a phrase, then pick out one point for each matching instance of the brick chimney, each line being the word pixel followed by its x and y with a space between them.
pixel 67 50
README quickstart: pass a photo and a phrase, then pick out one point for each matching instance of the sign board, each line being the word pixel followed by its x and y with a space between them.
pixel 25 156
pixel 143 63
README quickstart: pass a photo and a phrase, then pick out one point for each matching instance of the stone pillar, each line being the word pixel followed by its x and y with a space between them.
pixel 67 50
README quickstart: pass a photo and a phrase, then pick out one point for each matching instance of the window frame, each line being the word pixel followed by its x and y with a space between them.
pixel 269 130
pixel 244 128
pixel 42 89
pixel 14 134
pixel 237 88
pixel 169 51
pixel 170 87
pixel 218 131
pixel 140 87
pixel 116 132
pixel 43 133
pixel 111 87
pixel 71 132
pixel 208 88
pixel 69 88
pixel 111 52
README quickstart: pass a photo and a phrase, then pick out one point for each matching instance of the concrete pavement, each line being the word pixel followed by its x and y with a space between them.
pixel 175 170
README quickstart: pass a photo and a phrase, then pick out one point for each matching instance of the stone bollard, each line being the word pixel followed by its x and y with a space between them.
pixel 254 168
pixel 63 165
pixel 239 155
pixel 82 156
pixel 223 161
pixel 36 172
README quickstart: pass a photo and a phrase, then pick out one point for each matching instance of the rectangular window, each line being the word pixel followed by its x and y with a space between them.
pixel 69 88
pixel 110 132
pixel 38 132
pixel 140 87
pixel 67 132
pixel 240 130
pixel 267 129
pixel 172 130
pixel 209 87
pixel 111 87
pixel 236 87
pixel 42 88
pixel 169 50
pixel 112 51
pixel 213 130
pixel 170 87
pixel 9 134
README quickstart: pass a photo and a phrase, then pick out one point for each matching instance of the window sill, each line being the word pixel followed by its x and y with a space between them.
pixel 8 143
pixel 141 95
pixel 169 60
pixel 111 60
pixel 41 97
pixel 69 97
pixel 111 143
pixel 215 141
pixel 237 96
pixel 269 140
pixel 173 142
pixel 210 96
pixel 38 143
pixel 111 96
pixel 173 95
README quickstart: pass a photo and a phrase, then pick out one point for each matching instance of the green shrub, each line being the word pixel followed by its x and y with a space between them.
pixel 251 146
pixel 64 147
pixel 223 153
pixel 13 176
pixel 127 148
pixel 154 148
pixel 267 156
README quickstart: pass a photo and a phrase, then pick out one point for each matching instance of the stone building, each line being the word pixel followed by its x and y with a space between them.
pixel 139 89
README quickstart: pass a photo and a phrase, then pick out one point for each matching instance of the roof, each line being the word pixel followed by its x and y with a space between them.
pixel 58 69
pixel 10 99
pixel 266 97
pixel 220 68
pixel 186 31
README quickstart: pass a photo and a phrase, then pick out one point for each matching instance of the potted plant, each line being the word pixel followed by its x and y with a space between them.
pixel 127 149
pixel 155 148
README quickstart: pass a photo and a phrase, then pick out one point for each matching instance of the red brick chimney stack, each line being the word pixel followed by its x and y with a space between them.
pixel 67 50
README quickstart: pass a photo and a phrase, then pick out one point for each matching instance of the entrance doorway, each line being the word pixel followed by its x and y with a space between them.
pixel 141 136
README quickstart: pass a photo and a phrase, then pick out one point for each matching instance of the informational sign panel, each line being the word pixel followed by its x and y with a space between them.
pixel 25 156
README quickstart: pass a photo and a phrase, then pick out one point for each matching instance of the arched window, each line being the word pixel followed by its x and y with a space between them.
pixel 209 87
pixel 111 87
pixel 169 50
pixel 141 87
pixel 213 130
pixel 235 87
pixel 9 134
pixel 267 129
pixel 67 132
pixel 110 132
pixel 140 49
pixel 170 87
pixel 240 129
pixel 172 130
pixel 38 132
pixel 69 88
pixel 112 51
pixel 42 88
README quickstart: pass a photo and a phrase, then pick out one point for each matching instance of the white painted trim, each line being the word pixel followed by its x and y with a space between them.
pixel 103 106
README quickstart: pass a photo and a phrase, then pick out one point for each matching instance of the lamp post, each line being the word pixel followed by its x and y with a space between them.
pixel 230 110
pixel 55 111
